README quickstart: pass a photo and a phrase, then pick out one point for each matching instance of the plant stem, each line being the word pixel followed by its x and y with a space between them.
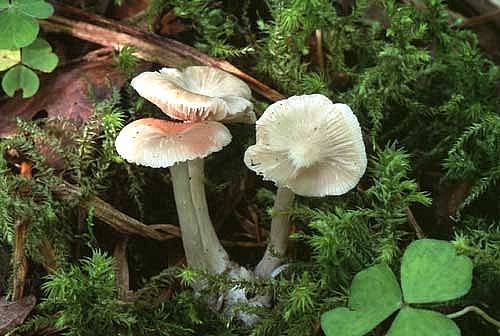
pixel 19 261
pixel 201 245
pixel 476 310
pixel 319 50
pixel 120 261
pixel 280 230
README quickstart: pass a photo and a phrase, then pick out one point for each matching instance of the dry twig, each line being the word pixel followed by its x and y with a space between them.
pixel 150 47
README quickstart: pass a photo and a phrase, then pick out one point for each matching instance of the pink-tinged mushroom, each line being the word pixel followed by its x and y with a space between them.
pixel 308 146
pixel 182 147
pixel 197 93
pixel 199 96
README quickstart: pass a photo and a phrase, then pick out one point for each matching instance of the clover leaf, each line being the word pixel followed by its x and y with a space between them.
pixel 16 29
pixel 9 58
pixel 35 8
pixel 422 322
pixel 20 78
pixel 431 271
pixel 367 307
pixel 39 56
pixel 18 25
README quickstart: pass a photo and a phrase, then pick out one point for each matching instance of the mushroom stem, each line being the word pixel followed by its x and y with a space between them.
pixel 201 245
pixel 280 230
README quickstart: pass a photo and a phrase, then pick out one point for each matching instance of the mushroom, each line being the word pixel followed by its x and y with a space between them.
pixel 200 96
pixel 308 146
pixel 197 93
pixel 182 146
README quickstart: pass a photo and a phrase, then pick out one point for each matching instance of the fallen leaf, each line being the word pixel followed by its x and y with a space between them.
pixel 14 313
pixel 128 9
pixel 25 170
pixel 63 94
pixel 170 25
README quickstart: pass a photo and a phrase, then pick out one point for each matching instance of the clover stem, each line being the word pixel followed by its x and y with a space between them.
pixel 280 230
pixel 476 310
pixel 202 247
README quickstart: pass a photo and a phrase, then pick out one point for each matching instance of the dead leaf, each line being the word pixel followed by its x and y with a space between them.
pixel 171 25
pixel 128 9
pixel 14 313
pixel 63 94
pixel 25 170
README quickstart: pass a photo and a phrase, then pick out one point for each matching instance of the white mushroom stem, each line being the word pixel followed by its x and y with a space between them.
pixel 280 231
pixel 201 245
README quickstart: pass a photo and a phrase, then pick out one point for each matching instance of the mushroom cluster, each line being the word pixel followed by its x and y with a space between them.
pixel 308 146
pixel 199 98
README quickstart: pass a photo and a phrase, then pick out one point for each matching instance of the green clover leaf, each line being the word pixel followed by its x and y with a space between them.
pixel 35 8
pixel 20 77
pixel 16 29
pixel 18 24
pixel 39 56
pixel 9 58
pixel 431 271
pixel 374 296
pixel 421 322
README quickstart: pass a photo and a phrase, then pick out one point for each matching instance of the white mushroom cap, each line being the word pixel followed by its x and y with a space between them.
pixel 310 145
pixel 197 93
pixel 159 143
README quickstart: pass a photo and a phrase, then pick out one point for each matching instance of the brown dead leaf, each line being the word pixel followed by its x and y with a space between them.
pixel 14 313
pixel 128 9
pixel 63 94
pixel 171 25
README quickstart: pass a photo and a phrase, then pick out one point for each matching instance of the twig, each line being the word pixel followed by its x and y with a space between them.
pixel 413 222
pixel 319 50
pixel 120 262
pixel 150 47
pixel 480 19
pixel 486 8
pixel 131 226
pixel 478 311
pixel 19 260
pixel 117 219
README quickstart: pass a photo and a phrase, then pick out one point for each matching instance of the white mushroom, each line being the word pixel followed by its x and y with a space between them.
pixel 308 146
pixel 182 147
pixel 197 93
pixel 199 96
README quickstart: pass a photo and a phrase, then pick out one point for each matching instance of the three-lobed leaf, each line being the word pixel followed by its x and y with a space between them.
pixel 35 8
pixel 20 78
pixel 422 322
pixel 16 29
pixel 39 56
pixel 431 271
pixel 367 306
pixel 18 25
pixel 9 58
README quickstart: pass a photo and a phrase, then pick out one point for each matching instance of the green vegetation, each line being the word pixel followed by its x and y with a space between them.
pixel 431 272
pixel 20 49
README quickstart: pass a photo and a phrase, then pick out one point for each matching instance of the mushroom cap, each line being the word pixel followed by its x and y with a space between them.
pixel 310 145
pixel 159 143
pixel 197 93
